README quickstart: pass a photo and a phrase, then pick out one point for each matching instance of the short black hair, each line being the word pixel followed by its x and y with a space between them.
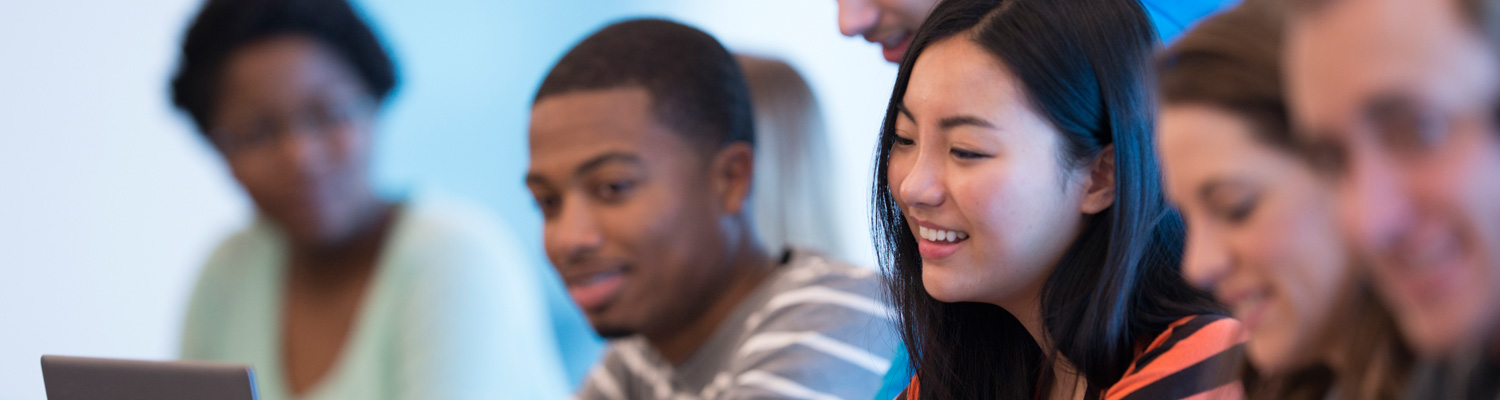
pixel 223 27
pixel 696 87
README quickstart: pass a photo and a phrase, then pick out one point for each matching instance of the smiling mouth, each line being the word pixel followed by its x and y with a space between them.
pixel 894 40
pixel 1427 264
pixel 941 236
pixel 1250 308
pixel 593 292
pixel 894 47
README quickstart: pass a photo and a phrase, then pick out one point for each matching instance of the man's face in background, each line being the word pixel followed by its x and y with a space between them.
pixel 890 23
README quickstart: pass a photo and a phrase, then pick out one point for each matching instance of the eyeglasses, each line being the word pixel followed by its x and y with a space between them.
pixel 268 129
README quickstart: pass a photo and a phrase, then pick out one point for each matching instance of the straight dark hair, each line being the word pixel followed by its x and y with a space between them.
pixel 1084 66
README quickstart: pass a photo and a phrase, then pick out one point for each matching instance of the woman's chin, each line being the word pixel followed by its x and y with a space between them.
pixel 945 296
pixel 945 286
pixel 1274 352
pixel 1267 359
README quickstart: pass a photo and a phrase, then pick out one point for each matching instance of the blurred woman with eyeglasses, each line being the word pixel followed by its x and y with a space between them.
pixel 335 291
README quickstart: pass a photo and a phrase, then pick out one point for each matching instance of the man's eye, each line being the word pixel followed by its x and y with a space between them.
pixel 1415 131
pixel 616 190
pixel 1408 125
pixel 548 204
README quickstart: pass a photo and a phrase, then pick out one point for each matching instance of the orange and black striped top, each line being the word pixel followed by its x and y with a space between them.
pixel 1198 357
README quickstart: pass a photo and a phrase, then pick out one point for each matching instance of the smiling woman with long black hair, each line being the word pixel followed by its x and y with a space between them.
pixel 1019 213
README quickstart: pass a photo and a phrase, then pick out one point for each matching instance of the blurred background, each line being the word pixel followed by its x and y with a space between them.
pixel 110 201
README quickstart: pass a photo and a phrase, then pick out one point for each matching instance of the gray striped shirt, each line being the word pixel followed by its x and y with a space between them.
pixel 816 329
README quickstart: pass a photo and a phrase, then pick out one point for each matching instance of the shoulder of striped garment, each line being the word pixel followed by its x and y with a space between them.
pixel 828 317
pixel 628 367
pixel 820 307
pixel 808 267
pixel 1196 357
pixel 812 280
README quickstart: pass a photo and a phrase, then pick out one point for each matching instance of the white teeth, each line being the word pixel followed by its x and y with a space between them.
pixel 938 235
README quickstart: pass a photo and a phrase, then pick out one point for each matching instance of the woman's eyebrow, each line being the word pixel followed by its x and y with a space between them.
pixel 950 122
pixel 964 120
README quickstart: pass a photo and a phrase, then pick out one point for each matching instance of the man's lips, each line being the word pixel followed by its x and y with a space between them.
pixel 1429 284
pixel 1428 264
pixel 894 49
pixel 596 289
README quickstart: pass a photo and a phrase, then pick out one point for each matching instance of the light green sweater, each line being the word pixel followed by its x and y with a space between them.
pixel 455 311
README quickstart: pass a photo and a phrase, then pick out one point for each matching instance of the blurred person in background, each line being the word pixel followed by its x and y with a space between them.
pixel 1262 228
pixel 892 23
pixel 335 292
pixel 1020 218
pixel 642 149
pixel 791 197
pixel 1395 101
pixel 791 201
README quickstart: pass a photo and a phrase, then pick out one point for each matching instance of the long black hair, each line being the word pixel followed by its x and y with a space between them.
pixel 1084 66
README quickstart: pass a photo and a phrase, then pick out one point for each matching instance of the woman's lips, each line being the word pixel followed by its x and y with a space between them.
pixel 1250 308
pixel 936 243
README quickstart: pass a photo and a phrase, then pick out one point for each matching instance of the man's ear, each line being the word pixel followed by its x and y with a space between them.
pixel 1099 192
pixel 732 171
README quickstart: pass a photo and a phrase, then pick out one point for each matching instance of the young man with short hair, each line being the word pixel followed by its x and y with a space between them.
pixel 642 153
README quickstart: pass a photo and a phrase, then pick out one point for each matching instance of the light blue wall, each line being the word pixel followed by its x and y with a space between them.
pixel 458 120
pixel 469 69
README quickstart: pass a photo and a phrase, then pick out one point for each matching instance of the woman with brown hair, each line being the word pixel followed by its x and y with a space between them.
pixel 1262 232
pixel 791 201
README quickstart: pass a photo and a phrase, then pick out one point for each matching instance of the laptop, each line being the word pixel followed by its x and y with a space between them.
pixel 79 378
